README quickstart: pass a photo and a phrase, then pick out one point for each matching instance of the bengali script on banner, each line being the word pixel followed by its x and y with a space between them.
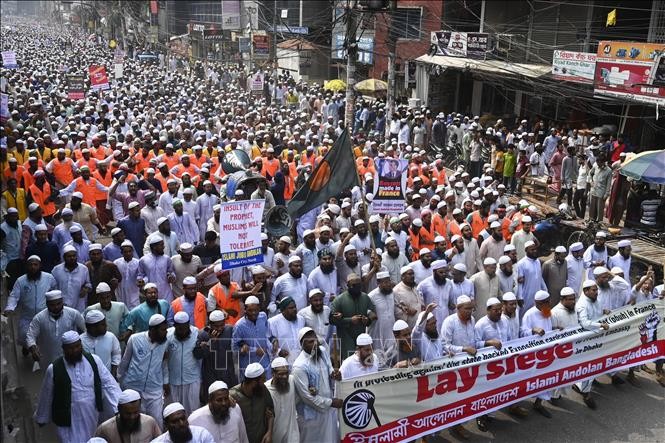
pixel 402 405
pixel 389 185
pixel 240 233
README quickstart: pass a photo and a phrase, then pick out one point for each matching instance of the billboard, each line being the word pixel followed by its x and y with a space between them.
pixel 365 49
pixel 630 70
pixel 231 15
pixel 261 46
pixel 461 44
pixel 576 67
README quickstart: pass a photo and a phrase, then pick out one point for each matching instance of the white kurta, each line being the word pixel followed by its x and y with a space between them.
pixel 575 273
pixel 84 415
pixel 352 367
pixel 233 431
pixel 285 427
pixel 533 318
pixel 199 435
pixel 381 330
pixel 286 333
pixel 433 292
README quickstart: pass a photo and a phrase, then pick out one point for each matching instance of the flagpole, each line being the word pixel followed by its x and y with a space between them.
pixel 362 193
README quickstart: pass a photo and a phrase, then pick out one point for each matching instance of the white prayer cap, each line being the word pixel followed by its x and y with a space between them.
pixel 70 337
pixel 460 267
pixel 383 274
pixel 403 216
pixel 325 228
pixel 217 385
pixel 153 240
pixel 252 300
pixel 560 250
pixel 567 291
pixel 404 269
pixel 217 315
pixel 504 259
pixel 601 234
pixel 285 239
pixel 315 291
pixel 441 204
pixel 279 362
pixel 128 396
pixel 623 243
pixel 600 270
pixel 53 295
pixel 264 236
pixel 363 340
pixel 454 238
pixel 161 220
pixel 509 296
pixel 578 246
pixel 400 325
pixel 307 232
pixel 541 295
pixel 39 228
pixel 390 239
pixel 254 370
pixel 173 408
pixel 358 223
pixel 156 319
pixel 439 239
pixel 115 231
pixel 181 317
pixel 303 331
pixel 349 248
pixel 616 270
pixel 189 280
pixel 529 244
pixel 33 207
pixel 149 286
pixel 335 209
pixel 217 207
pixel 103 287
pixel 462 299
pixel 509 248
pixel 186 248
pixel 492 301
pixel 77 194
pixel 133 205
pixel 257 270
pixel 526 219
pixel 489 261
pixel 34 257
pixel 424 251
pixel 294 259
pixel 74 229
pixel 495 224
pixel 374 218
pixel 345 205
pixel 15 211
pixel 588 284
pixel 94 316
pixel 95 247
pixel 417 222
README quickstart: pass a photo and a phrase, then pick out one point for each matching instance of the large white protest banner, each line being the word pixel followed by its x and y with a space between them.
pixel 240 233
pixel 404 404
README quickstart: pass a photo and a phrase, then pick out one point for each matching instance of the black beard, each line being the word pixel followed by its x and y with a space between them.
pixel 394 254
pixel 34 276
pixel 507 273
pixel 570 309
pixel 362 235
pixel 282 386
pixel 352 264
pixel 221 417
pixel 327 269
pixel 605 285
pixel 439 280
pixel 181 436
pixel 598 248
pixel 385 291
pixel 432 335
pixel 75 358
pixel 129 428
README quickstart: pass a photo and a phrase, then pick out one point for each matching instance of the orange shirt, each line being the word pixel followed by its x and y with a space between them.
pixel 92 163
pixel 226 302
pixel 39 196
pixel 171 160
pixel 198 161
pixel 143 161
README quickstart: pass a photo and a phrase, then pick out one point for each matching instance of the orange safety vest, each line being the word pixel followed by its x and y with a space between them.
pixel 143 161
pixel 477 224
pixel 28 178
pixel 289 187
pixel 427 236
pixel 106 181
pixel 170 161
pixel 505 229
pixel 198 161
pixel 91 164
pixel 200 313
pixel 62 170
pixel 89 190
pixel 18 174
pixel 270 167
pixel 226 301
pixel 415 244
pixel 441 178
pixel 439 224
pixel 99 153
pixel 191 170
pixel 39 196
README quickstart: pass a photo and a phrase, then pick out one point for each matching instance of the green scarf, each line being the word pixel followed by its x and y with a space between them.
pixel 61 408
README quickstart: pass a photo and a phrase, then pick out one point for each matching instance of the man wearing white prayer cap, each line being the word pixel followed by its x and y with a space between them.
pixel 250 336
pixel 283 391
pixel 217 362
pixel 511 313
pixel 317 315
pixel 523 236
pixel 436 289
pixel 596 254
pixel 404 352
pixel 622 258
pixel 75 388
pixel 537 320
pixel 486 284
pixel 97 340
pixel 529 276
pixel 178 428
pixel 43 338
pixel 564 317
pixel 191 302
pixel 425 335
pixel 408 301
pixel 555 273
pixel 576 271
pixel 254 400
pixel 363 361
pixel 184 361
pixel 292 284
pixel 185 264
pixel 142 369
pixel 129 424
pixel 223 421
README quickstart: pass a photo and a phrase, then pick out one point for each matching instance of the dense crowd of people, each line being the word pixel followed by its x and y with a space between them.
pixel 144 337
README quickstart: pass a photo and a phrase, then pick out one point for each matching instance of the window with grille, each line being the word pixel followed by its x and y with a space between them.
pixel 406 23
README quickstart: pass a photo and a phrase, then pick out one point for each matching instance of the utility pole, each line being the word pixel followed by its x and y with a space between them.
pixel 392 48
pixel 482 17
pixel 351 55
pixel 250 11
pixel 274 51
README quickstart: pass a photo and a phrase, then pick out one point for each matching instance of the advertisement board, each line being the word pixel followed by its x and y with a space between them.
pixel 576 67
pixel 461 44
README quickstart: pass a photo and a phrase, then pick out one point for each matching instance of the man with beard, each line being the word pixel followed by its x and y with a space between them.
pixel 292 284
pixel 157 267
pixel 307 252
pixel 537 320
pixel 283 392
pixel 183 223
pixel 523 236
pixel 205 204
pixel 112 250
pixel 167 198
pixel 134 226
pixel 43 336
pixel 324 276
pixel 97 340
pixel 510 313
pixel 79 243
pixel 422 268
pixel 256 404
pixel 317 315
pixel 575 267
pixel 281 258
pixel 100 271
pixel 312 374
pixel 114 312
pixel 138 318
pixel 85 185
pixel 437 289
pixel 362 242
pixel 170 239
pixel 486 285
pixel 61 233
pixel 85 214
pixel 362 362
pixel 510 251
pixel 408 301
pixel 29 296
pixel 352 311
pixel 128 265
pixel 150 213
pixel 588 311
pixel 11 244
pixel 344 219
pixel 217 360
pixel 251 336
pixel 529 276
pixel 507 278
pixel 426 335
pixel 555 273
pixel 622 258
pixel 494 245
pixel 185 264
pixel 393 259
pixel 384 303
pixel 471 250
pixel 178 429
pixel 564 317
pixel 142 366
pixel 219 417
pixel 284 329
pixel 325 238
pixel 74 390
pixel 596 254
pixel 460 285
pixel 402 353
pixel 129 424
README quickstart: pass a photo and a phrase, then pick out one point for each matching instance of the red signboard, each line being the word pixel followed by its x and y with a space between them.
pixel 99 80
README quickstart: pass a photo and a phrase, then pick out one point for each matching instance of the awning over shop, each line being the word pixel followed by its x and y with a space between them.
pixel 497 67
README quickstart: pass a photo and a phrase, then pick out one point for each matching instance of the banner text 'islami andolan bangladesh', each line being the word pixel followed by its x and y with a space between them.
pixel 240 233
pixel 402 405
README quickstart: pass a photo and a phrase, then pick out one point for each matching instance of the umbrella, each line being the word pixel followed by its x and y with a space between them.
pixel 336 85
pixel 646 166
pixel 371 86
